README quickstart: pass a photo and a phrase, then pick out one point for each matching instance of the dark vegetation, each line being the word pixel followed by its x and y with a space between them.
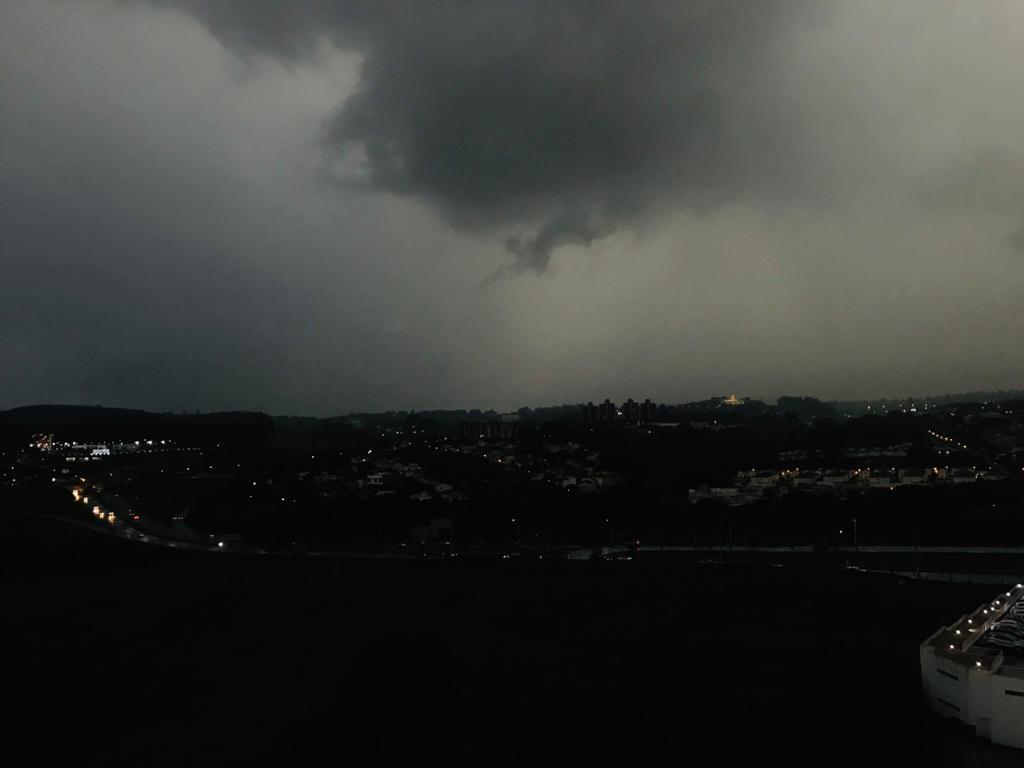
pixel 107 424
pixel 178 659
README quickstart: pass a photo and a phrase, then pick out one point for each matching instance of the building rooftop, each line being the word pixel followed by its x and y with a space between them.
pixel 991 637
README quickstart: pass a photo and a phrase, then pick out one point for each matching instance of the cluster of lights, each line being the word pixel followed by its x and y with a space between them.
pixel 945 439
pixel 108 517
pixel 995 607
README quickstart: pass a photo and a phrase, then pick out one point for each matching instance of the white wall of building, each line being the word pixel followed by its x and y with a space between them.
pixel 1008 711
pixel 974 686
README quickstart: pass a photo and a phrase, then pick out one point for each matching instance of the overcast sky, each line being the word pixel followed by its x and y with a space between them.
pixel 319 206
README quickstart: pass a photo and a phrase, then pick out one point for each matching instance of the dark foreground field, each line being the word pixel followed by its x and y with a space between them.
pixel 118 654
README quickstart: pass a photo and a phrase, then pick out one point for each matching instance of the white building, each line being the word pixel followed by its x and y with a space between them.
pixel 963 475
pixel 913 476
pixel 836 477
pixel 992 475
pixel 880 479
pixel 973 670
pixel 766 478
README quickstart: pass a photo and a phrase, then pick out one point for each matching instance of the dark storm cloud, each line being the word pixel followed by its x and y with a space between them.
pixel 1017 238
pixel 770 197
pixel 553 121
pixel 569 228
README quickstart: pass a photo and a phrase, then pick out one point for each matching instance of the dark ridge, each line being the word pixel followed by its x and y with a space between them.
pixel 96 423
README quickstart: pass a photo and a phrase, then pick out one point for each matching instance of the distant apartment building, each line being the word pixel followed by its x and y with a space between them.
pixel 631 412
pixel 648 412
pixel 489 430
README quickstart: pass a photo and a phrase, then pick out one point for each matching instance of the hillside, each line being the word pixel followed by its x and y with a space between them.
pixel 96 423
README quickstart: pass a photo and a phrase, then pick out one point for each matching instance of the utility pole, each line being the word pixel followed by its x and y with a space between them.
pixel 917 554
